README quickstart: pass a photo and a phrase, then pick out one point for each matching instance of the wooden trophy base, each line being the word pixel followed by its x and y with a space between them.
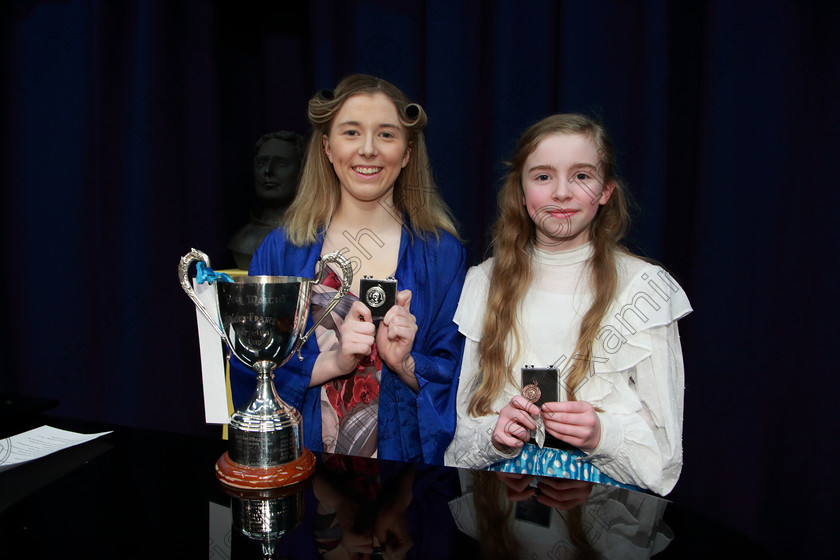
pixel 261 478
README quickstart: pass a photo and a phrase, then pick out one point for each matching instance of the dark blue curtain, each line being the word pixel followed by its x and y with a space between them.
pixel 128 137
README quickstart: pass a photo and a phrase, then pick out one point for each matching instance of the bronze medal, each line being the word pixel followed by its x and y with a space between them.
pixel 531 392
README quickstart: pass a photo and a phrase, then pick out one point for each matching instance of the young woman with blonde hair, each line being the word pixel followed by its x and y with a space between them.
pixel 561 290
pixel 382 389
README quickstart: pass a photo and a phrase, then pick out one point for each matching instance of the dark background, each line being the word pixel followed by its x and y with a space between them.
pixel 128 137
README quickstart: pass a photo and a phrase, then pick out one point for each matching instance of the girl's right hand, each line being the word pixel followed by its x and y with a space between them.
pixel 357 337
pixel 515 424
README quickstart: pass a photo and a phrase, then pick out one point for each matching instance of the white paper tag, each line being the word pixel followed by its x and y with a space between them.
pixel 212 358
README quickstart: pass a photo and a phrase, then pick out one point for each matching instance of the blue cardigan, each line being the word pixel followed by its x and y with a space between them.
pixel 414 427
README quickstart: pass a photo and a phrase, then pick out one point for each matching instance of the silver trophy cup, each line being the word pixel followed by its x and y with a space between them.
pixel 262 320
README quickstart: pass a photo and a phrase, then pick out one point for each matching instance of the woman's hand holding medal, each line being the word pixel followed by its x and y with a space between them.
pixel 515 424
pixel 395 339
pixel 574 422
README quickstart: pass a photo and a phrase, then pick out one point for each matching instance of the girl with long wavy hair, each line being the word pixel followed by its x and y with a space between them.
pixel 383 389
pixel 561 291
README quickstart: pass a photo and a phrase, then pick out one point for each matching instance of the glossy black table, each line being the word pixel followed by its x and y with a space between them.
pixel 139 493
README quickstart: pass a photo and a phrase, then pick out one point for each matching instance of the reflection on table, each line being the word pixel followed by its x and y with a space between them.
pixel 521 516
pixel 138 493
pixel 363 508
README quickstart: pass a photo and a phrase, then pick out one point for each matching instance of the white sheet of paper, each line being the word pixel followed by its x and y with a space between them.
pixel 212 357
pixel 37 443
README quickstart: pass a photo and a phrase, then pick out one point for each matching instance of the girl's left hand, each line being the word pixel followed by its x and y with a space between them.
pixel 395 339
pixel 574 422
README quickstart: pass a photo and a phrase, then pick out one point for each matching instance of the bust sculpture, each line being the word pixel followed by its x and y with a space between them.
pixel 277 163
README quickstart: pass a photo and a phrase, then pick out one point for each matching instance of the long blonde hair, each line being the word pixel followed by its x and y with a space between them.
pixel 416 198
pixel 513 241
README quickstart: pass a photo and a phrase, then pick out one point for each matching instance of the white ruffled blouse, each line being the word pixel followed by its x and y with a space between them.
pixel 638 376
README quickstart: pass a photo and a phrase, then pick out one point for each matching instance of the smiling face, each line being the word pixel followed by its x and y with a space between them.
pixel 563 189
pixel 367 146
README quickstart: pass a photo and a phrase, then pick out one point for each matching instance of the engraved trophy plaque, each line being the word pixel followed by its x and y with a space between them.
pixel 262 320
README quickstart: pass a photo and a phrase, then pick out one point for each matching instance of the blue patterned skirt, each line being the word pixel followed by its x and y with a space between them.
pixel 561 463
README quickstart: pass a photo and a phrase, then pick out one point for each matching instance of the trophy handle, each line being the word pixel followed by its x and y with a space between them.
pixel 183 275
pixel 346 281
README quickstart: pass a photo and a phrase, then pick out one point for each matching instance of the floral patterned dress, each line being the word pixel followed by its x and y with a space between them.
pixel 350 403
